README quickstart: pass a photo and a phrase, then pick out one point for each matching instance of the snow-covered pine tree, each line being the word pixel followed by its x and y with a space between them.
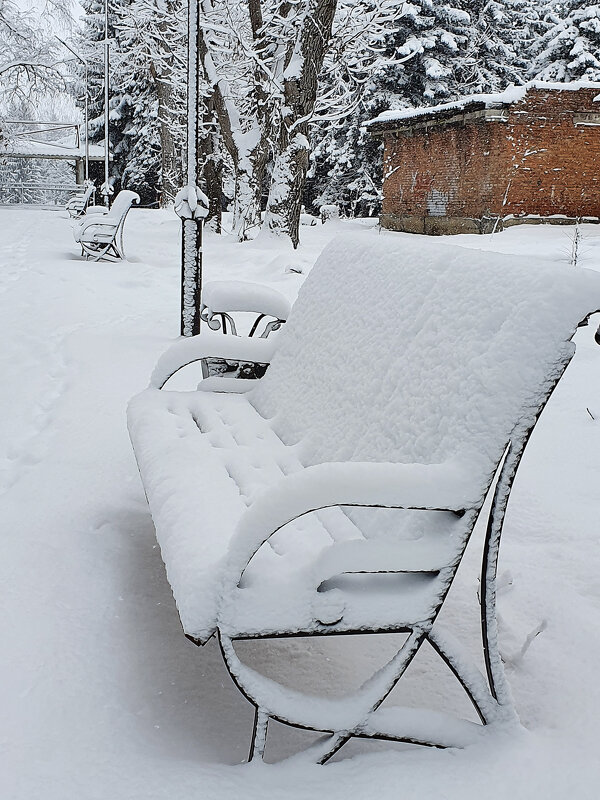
pixel 89 44
pixel 417 66
pixel 438 52
pixel 152 51
pixel 135 128
pixel 29 62
pixel 570 48
pixel 501 36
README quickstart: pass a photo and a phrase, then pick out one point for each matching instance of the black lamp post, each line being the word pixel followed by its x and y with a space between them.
pixel 191 205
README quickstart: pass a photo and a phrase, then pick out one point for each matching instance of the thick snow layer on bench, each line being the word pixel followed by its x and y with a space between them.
pixel 177 469
pixel 210 344
pixel 427 360
pixel 206 461
pixel 245 296
pixel 203 459
pixel 405 352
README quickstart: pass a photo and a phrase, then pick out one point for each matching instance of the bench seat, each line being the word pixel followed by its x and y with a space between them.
pixel 188 439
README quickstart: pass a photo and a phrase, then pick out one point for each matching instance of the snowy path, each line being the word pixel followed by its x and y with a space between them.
pixel 100 694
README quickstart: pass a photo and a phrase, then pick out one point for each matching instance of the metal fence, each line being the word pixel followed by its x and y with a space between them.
pixel 37 194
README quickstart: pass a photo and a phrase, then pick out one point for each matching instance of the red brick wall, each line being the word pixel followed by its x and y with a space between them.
pixel 459 163
pixel 537 162
pixel 563 176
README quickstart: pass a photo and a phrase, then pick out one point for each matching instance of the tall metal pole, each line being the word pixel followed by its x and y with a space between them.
pixel 86 117
pixel 106 188
pixel 87 95
pixel 190 202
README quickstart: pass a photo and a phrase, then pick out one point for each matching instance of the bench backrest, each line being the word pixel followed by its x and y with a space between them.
pixel 122 203
pixel 84 195
pixel 405 350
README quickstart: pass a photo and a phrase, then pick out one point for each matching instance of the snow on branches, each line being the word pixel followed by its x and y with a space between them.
pixel 569 50
pixel 29 65
pixel 264 61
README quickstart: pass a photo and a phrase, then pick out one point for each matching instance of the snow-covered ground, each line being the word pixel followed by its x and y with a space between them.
pixel 101 696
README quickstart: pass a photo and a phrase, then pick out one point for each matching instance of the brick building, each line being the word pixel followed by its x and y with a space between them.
pixel 530 153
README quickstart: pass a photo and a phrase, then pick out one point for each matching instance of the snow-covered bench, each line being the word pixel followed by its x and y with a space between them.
pixel 338 494
pixel 329 211
pixel 77 204
pixel 101 235
pixel 227 306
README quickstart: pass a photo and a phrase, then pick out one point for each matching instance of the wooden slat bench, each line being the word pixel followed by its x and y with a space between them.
pixel 338 493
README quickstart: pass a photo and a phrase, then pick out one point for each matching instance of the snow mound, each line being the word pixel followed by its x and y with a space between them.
pixel 223 296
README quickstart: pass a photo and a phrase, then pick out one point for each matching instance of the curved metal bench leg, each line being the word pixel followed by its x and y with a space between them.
pixel 324 748
pixel 470 678
pixel 259 735
pixel 498 684
pixel 318 753
pixel 95 255
pixel 368 698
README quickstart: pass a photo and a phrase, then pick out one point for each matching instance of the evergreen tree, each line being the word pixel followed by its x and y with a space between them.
pixel 90 44
pixel 417 66
pixel 438 52
pixel 152 38
pixel 570 48
pixel 145 136
pixel 501 36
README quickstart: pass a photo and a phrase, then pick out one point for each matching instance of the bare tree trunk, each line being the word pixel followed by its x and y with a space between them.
pixel 213 182
pixel 170 163
pixel 300 92
pixel 287 185
pixel 249 174
pixel 211 165
pixel 170 160
pixel 248 151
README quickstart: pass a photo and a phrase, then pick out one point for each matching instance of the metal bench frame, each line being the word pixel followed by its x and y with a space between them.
pixel 488 692
pixel 101 235
pixel 263 324
pixel 77 205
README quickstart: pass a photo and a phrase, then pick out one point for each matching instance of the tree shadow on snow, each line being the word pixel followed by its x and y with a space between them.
pixel 185 704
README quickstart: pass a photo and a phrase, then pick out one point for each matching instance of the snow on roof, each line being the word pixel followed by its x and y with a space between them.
pixel 28 148
pixel 512 94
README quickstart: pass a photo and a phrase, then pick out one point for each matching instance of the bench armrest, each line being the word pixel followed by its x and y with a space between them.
pixel 89 227
pixel 97 221
pixel 231 296
pixel 210 345
pixel 433 487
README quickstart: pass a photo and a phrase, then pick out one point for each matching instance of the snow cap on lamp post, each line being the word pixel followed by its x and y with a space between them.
pixel 107 189
pixel 190 204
